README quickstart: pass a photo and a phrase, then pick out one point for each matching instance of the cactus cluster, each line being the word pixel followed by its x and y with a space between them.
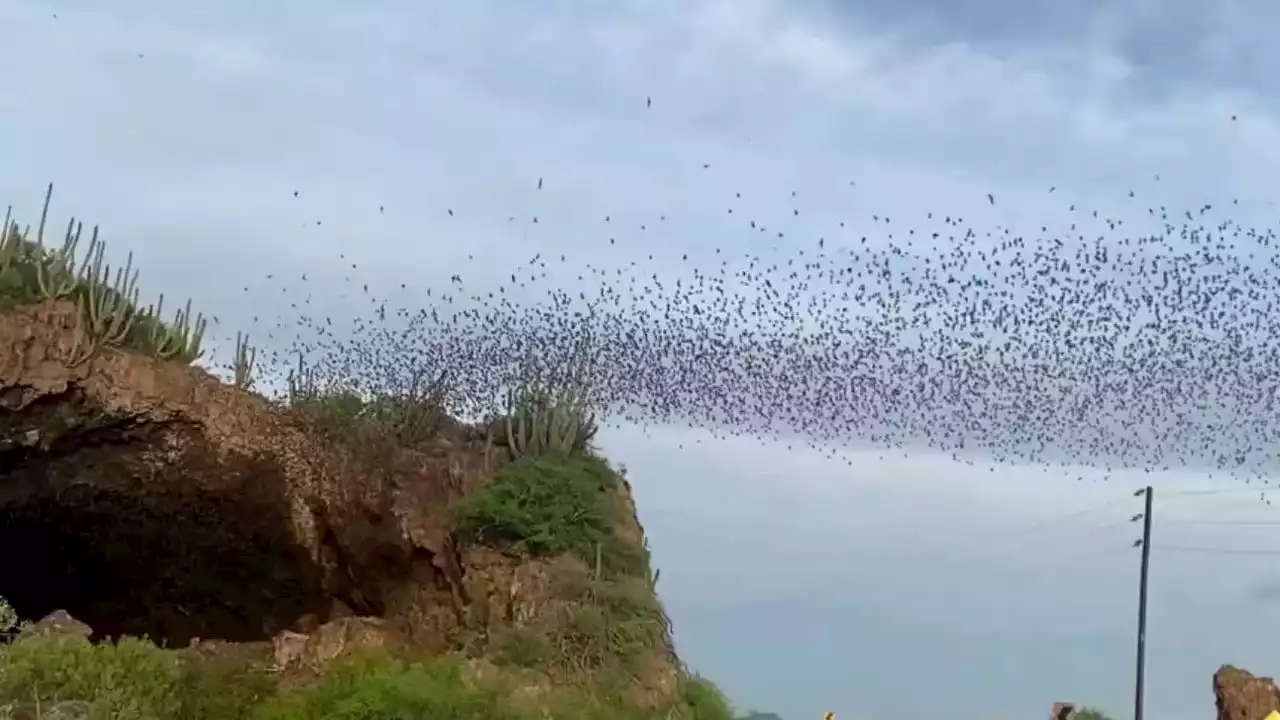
pixel 107 304
pixel 303 384
pixel 546 419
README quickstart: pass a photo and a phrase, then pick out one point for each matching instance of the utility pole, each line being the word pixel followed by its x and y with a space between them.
pixel 1145 543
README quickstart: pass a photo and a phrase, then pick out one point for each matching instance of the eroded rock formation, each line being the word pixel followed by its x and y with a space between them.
pixel 148 498
pixel 1240 695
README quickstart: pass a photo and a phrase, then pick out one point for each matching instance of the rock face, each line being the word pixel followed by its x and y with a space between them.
pixel 147 498
pixel 1241 695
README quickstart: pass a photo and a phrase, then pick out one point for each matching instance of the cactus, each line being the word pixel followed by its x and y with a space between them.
pixel 542 421
pixel 105 311
pixel 56 274
pixel 244 361
pixel 109 309
pixel 303 384
pixel 179 340
pixel 10 243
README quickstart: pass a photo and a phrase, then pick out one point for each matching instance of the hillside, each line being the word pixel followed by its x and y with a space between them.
pixel 187 547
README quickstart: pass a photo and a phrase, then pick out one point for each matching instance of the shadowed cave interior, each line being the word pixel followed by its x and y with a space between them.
pixel 170 567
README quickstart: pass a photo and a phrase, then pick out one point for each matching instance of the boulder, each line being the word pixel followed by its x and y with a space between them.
pixel 60 622
pixel 334 640
pixel 1240 695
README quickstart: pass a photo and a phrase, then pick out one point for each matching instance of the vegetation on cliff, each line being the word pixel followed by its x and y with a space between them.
pixel 592 642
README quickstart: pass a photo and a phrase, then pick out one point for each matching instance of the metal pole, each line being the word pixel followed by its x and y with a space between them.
pixel 1142 606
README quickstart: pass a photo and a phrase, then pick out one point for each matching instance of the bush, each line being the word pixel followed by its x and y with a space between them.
pixel 394 413
pixel 375 687
pixel 130 680
pixel 551 505
pixel 704 699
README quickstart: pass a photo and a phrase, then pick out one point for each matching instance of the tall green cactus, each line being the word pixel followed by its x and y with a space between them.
pixel 303 384
pixel 180 339
pixel 242 366
pixel 110 308
pixel 107 310
pixel 542 420
pixel 10 243
pixel 56 275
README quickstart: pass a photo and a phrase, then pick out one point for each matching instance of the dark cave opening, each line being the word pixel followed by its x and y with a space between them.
pixel 171 566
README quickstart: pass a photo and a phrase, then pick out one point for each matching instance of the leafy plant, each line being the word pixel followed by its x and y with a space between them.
pixel 548 506
pixel 704 699
pixel 129 679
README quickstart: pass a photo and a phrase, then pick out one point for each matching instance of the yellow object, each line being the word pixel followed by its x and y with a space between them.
pixel 832 716
pixel 1273 715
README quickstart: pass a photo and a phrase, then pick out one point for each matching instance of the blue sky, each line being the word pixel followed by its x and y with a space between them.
pixel 896 588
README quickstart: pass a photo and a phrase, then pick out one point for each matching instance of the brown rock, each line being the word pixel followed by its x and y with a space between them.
pixel 334 640
pixel 1062 711
pixel 60 622
pixel 1241 695
pixel 288 647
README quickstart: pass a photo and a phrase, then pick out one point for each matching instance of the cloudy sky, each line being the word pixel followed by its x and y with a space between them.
pixel 895 588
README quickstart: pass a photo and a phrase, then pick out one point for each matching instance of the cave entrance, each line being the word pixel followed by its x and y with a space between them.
pixel 171 567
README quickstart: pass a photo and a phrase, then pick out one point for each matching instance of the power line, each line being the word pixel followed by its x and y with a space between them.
pixel 1224 523
pixel 1059 563
pixel 1218 491
pixel 1220 550
pixel 1018 533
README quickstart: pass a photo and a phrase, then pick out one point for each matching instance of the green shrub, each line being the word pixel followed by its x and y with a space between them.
pixel 522 647
pixel 704 699
pixel 223 689
pixel 129 680
pixel 376 687
pixel 543 506
pixel 399 413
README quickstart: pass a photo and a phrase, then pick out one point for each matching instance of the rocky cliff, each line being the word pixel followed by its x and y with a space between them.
pixel 145 497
